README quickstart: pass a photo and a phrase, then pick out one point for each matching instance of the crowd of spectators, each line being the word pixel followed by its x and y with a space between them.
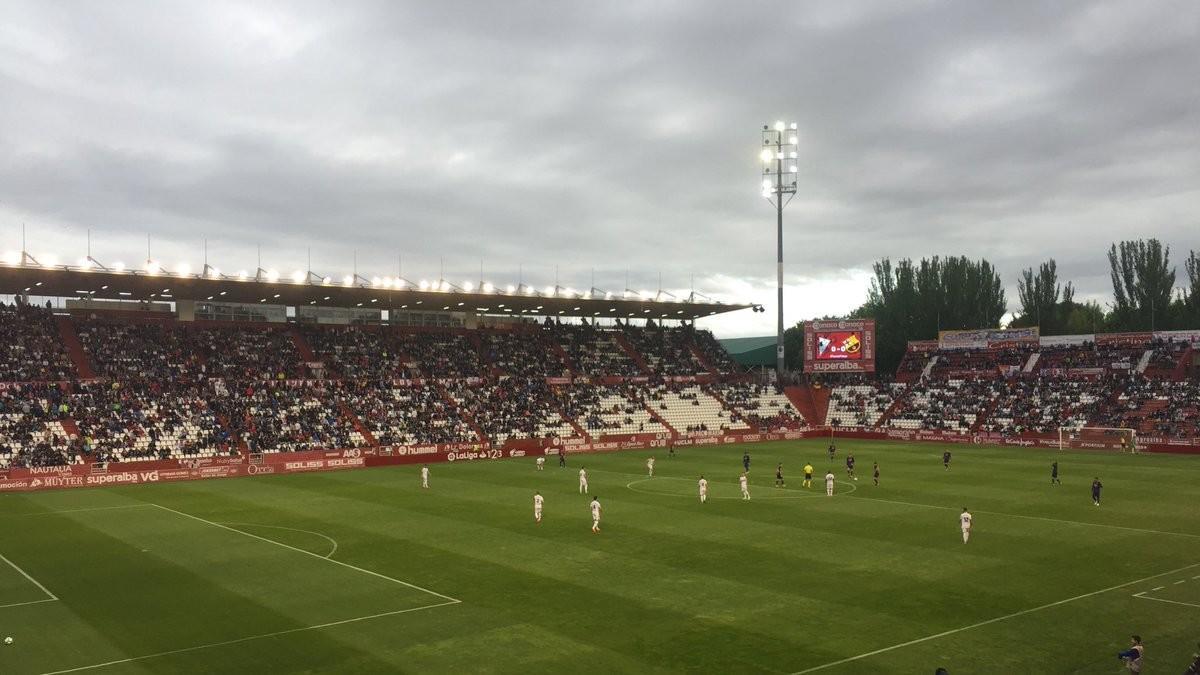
pixel 763 406
pixel 511 407
pixel 665 350
pixel 31 433
pixel 275 417
pixel 411 415
pixel 595 352
pixel 608 409
pixel 442 355
pixel 149 419
pixel 713 352
pixel 30 346
pixel 523 353
pixel 236 352
pixel 154 351
pixel 360 352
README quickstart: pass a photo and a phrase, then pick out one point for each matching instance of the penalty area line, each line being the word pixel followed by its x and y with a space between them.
pixel 248 638
pixel 318 556
pixel 997 619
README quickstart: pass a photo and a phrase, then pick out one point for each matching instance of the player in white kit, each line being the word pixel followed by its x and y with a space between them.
pixel 541 463
pixel 596 515
pixel 703 490
pixel 744 483
pixel 965 521
pixel 537 507
pixel 829 479
pixel 650 466
pixel 583 487
pixel 425 476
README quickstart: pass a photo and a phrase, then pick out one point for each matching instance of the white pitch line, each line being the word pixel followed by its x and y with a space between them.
pixel 249 638
pixel 993 620
pixel 1172 602
pixel 1157 588
pixel 1042 518
pixel 310 553
pixel 31 602
pixel 294 529
pixel 1181 581
pixel 25 574
pixel 85 510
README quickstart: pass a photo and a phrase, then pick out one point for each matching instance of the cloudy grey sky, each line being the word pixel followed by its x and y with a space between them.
pixel 619 137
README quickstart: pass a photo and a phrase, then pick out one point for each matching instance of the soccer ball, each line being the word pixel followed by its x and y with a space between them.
pixel 856 478
pixel 8 641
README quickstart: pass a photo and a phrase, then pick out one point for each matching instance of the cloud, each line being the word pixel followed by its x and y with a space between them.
pixel 610 140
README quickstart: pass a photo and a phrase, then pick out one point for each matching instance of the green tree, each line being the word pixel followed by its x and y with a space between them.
pixel 1190 298
pixel 1040 293
pixel 914 302
pixel 1143 282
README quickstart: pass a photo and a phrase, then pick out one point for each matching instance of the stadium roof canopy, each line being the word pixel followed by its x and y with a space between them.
pixel 93 283
pixel 751 351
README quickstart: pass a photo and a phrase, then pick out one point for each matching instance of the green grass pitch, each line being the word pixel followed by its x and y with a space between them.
pixel 365 572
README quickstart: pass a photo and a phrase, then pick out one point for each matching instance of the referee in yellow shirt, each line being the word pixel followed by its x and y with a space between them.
pixel 808 470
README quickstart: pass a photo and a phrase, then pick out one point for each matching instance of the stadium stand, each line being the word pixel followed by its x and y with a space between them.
pixel 689 408
pixel 30 347
pixel 167 389
pixel 609 410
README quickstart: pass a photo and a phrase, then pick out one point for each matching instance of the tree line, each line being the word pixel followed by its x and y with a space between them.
pixel 913 301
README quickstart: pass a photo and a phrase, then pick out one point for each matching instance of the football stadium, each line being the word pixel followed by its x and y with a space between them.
pixel 953 426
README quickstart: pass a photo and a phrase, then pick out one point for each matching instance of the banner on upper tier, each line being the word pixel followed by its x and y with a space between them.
pixel 987 338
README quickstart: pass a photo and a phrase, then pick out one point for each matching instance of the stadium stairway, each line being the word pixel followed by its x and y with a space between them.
pixel 70 339
pixel 357 424
pixel 632 353
pixel 729 409
pixel 983 415
pixel 579 430
pixel 897 404
pixel 305 350
pixel 467 416
pixel 1181 368
pixel 802 399
pixel 702 360
pixel 564 357
pixel 661 420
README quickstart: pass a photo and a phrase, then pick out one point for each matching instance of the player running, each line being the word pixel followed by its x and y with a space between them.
pixel 1054 474
pixel 946 459
pixel 583 484
pixel 650 466
pixel 541 463
pixel 425 477
pixel 779 476
pixel 875 474
pixel 965 521
pixel 744 483
pixel 537 507
pixel 703 485
pixel 1096 486
pixel 829 479
pixel 850 466
pixel 1133 656
pixel 596 509
pixel 746 462
pixel 808 472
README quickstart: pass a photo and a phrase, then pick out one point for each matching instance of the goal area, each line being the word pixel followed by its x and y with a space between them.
pixel 1118 439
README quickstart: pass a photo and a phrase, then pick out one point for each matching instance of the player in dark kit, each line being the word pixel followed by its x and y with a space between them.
pixel 946 459
pixel 1096 485
pixel 1054 474
pixel 850 466
pixel 746 462
pixel 875 472
pixel 832 451
pixel 779 475
pixel 562 458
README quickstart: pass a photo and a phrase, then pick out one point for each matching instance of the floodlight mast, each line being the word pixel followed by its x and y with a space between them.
pixel 779 152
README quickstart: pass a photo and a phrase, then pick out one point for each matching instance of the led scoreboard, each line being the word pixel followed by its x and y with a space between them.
pixel 839 346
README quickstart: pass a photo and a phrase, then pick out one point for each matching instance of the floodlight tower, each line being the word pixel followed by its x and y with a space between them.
pixel 779 153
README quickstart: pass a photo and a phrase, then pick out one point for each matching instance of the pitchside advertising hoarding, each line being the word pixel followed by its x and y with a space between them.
pixel 839 346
